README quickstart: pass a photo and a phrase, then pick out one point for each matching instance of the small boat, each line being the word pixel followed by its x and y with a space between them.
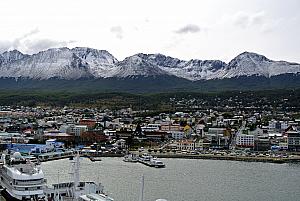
pixel 93 159
pixel 157 163
pixel 132 158
pixel 145 157
pixel 151 161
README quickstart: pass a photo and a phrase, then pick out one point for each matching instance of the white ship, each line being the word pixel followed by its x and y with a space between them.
pixel 76 190
pixel 23 180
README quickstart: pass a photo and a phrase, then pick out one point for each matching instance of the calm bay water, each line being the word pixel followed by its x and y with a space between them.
pixel 187 180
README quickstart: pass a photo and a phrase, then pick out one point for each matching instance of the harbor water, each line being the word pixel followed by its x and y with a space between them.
pixel 186 179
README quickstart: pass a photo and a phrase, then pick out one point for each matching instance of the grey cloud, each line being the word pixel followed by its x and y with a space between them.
pixel 34 46
pixel 32 32
pixel 25 44
pixel 190 28
pixel 258 18
pixel 118 31
pixel 4 46
pixel 241 20
pixel 245 20
pixel 17 42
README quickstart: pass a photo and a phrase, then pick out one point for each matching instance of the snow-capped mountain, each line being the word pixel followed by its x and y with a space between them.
pixel 83 62
pixel 252 64
pixel 158 64
pixel 192 70
pixel 11 56
pixel 63 63
pixel 136 65
pixel 101 63
pixel 53 63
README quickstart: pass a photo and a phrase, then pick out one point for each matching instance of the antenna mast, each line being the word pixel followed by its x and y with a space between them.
pixel 142 189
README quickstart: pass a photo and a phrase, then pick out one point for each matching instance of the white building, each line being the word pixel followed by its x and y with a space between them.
pixel 151 127
pixel 278 125
pixel 186 145
pixel 177 135
pixel 243 140
pixel 216 131
pixel 200 129
pixel 78 129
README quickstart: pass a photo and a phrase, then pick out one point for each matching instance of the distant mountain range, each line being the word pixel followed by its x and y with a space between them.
pixel 100 70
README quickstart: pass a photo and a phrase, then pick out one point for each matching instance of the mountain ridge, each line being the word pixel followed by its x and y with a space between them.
pixel 85 62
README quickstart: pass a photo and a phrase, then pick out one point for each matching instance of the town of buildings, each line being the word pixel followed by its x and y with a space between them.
pixel 26 128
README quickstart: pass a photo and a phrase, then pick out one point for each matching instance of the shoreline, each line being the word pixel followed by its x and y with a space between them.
pixel 230 158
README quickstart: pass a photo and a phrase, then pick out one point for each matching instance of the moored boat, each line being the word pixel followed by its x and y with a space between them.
pixel 149 160
pixel 76 190
pixel 130 158
pixel 157 163
pixel 21 179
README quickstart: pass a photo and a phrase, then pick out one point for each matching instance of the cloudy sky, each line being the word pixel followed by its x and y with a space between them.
pixel 203 29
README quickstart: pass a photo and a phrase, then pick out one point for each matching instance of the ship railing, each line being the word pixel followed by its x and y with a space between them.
pixel 27 183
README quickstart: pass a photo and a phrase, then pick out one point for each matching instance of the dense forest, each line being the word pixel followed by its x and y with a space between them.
pixel 289 99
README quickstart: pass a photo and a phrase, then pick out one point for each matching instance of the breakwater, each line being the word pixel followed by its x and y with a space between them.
pixel 227 157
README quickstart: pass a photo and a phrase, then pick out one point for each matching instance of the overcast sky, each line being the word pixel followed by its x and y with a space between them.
pixel 186 29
